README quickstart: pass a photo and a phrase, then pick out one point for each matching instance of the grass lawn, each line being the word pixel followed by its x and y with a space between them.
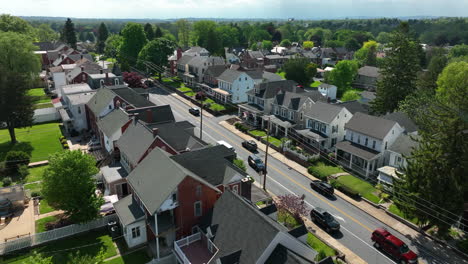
pixel 43 105
pixel 217 107
pixel 35 174
pixel 36 92
pixel 184 89
pixel 44 207
pixel 257 133
pixel 288 220
pixel 394 209
pixel 137 257
pixel 315 84
pixel 38 95
pixel 362 187
pixel 96 241
pixel 282 74
pixel 209 101
pixel 39 141
pixel 34 187
pixel 190 93
pixel 318 245
pixel 274 141
pixel 40 224
pixel 321 170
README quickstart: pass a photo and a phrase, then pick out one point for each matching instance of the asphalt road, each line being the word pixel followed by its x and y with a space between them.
pixel 356 225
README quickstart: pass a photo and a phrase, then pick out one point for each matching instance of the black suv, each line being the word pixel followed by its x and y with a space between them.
pixel 250 145
pixel 194 111
pixel 322 187
pixel 256 163
pixel 324 219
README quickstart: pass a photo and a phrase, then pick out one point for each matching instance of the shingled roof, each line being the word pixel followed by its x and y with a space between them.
pixel 373 126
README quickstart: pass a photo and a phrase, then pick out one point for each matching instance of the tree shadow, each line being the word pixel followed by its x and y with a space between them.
pixel 5 147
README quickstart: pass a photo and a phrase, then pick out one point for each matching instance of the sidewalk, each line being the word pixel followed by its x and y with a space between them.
pixel 377 213
pixel 53 213
pixel 22 224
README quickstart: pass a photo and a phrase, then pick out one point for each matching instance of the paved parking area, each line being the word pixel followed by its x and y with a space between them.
pixel 22 223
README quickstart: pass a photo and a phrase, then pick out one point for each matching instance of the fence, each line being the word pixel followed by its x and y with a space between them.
pixel 44 237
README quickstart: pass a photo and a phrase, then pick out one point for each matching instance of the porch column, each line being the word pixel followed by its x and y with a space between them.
pixel 351 160
pixel 367 169
pixel 239 111
pixel 286 130
pixel 157 234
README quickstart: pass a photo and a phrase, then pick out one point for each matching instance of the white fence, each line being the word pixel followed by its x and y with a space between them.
pixel 55 234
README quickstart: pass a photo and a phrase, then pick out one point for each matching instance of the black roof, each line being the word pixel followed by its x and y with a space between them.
pixel 283 255
pixel 403 120
pixel 48 45
pixel 215 70
pixel 356 106
pixel 178 135
pixel 129 95
pixel 154 114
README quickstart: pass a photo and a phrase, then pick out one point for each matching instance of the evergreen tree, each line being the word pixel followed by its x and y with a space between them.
pixel 149 31
pixel 82 36
pixel 102 36
pixel 90 36
pixel 399 71
pixel 158 33
pixel 68 33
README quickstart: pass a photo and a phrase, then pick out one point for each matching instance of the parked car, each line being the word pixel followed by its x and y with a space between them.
pixel 322 187
pixel 324 219
pixel 194 111
pixel 393 246
pixel 227 145
pixel 250 145
pixel 256 163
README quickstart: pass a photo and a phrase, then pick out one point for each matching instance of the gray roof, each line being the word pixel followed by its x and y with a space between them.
pixel 76 57
pixel 268 90
pixel 215 70
pixel 373 126
pixel 220 171
pixel 255 54
pixel 128 210
pixel 404 144
pixel 179 135
pixel 322 111
pixel 185 59
pixel 113 121
pixel 296 100
pixel 403 120
pixel 135 141
pixel 81 98
pixel 100 100
pixel 113 172
pixel 154 114
pixel 241 229
pixel 369 71
pixel 198 61
pixel 283 255
pixel 156 177
pixel 355 106
pixel 48 45
pixel 76 88
pixel 230 75
pixel 130 96
pixel 358 150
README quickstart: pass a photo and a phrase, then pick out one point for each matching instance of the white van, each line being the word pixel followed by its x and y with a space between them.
pixel 224 143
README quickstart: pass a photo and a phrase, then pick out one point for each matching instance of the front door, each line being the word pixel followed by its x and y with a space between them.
pixel 124 187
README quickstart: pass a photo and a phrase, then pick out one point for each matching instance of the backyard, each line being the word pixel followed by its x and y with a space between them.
pixel 39 95
pixel 39 141
pixel 136 257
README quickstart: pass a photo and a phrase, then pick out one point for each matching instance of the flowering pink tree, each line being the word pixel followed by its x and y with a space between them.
pixel 133 80
pixel 293 204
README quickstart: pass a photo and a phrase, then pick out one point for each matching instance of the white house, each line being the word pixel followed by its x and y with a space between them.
pixel 328 90
pixel 324 124
pixel 367 138
pixel 235 85
pixel 59 81
pixel 75 104
pixel 111 127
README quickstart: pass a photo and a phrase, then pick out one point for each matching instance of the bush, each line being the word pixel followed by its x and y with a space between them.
pixel 65 146
pixel 348 191
pixel 23 171
pixel 15 158
pixel 313 159
pixel 7 181
pixel 240 164
pixel 35 194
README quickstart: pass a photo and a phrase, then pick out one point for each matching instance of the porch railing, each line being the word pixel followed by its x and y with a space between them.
pixel 184 242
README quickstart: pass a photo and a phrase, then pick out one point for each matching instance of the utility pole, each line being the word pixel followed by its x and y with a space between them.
pixel 266 154
pixel 201 114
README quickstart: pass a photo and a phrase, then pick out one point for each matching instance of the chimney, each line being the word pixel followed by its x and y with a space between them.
pixel 82 69
pixel 179 53
pixel 107 79
pixel 100 71
pixel 135 118
pixel 149 116
pixel 155 131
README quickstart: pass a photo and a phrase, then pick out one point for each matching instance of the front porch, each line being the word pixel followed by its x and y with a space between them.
pixel 189 79
pixel 315 140
pixel 358 158
pixel 277 126
pixel 251 114
pixel 162 233
pixel 196 249
pixel 221 95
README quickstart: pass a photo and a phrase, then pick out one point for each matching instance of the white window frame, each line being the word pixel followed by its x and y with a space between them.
pixel 235 189
pixel 136 232
pixel 195 208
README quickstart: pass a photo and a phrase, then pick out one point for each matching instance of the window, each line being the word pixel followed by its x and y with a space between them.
pixel 116 81
pixel 136 232
pixel 239 79
pixel 198 191
pixel 197 206
pixel 338 117
pixel 235 189
pixel 101 82
pixel 309 123
pixel 352 136
pixel 302 116
pixel 79 110
pixel 276 110
pixel 110 106
pixel 333 142
pixel 367 141
pixel 174 196
pixel 246 78
pixel 393 132
pixel 386 145
pixel 359 139
pixel 373 144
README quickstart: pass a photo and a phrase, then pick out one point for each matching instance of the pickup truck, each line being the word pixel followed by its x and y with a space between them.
pixel 322 187
pixel 393 246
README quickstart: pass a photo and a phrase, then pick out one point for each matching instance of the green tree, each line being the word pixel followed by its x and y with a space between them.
pixel 318 35
pixel 267 45
pixel 213 43
pixel 285 43
pixel 78 258
pixel 308 44
pixel 158 33
pixel 229 35
pixel 149 31
pixel 343 75
pixel 103 34
pixel 254 46
pixel 82 36
pixel 133 40
pixel 38 258
pixel 435 176
pixel 201 32
pixel 383 37
pixel 427 79
pixel 183 32
pixel 68 185
pixel 399 71
pixel 352 44
pixel 350 95
pixel 112 46
pixel 18 68
pixel 367 55
pixel 69 34
pixel 10 23
pixel 156 51
pixel 299 70
pixel 90 36
pixel 45 33
pixel 458 51
pixel 258 35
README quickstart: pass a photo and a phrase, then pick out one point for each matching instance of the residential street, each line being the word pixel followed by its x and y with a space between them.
pixel 356 225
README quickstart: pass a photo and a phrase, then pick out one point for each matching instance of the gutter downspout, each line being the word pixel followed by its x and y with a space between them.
pixel 157 234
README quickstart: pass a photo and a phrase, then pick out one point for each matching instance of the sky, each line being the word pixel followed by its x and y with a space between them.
pixel 298 9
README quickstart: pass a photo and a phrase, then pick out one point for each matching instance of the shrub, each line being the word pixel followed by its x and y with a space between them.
pixel 7 181
pixel 321 255
pixel 23 171
pixel 348 191
pixel 35 194
pixel 15 158
pixel 65 146
pixel 313 159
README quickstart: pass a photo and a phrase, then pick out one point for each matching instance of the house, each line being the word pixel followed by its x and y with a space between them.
pixel 70 58
pixel 252 59
pixel 367 78
pixel 74 114
pixel 139 138
pixel 328 90
pixel 367 138
pixel 49 51
pixel 212 73
pixel 395 157
pixel 404 121
pixel 233 86
pixel 263 76
pixel 285 111
pixel 260 100
pixel 101 79
pixel 196 51
pixel 110 127
pixel 83 69
pixel 183 69
pixel 173 60
pixel 237 232
pixel 356 106
pixel 168 200
pixel 276 59
pixel 197 67
pixel 322 125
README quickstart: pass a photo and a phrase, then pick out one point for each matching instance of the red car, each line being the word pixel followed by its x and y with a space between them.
pixel 393 246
